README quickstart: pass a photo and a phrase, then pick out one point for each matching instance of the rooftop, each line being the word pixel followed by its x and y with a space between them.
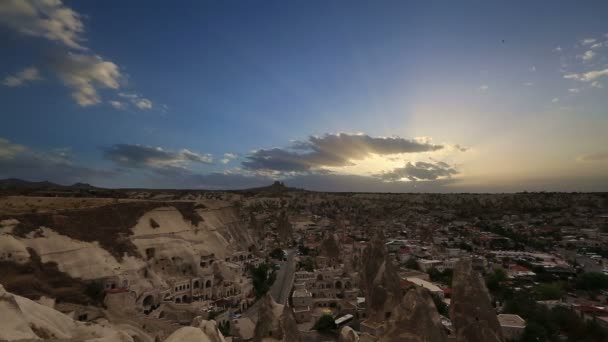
pixel 508 320
pixel 301 293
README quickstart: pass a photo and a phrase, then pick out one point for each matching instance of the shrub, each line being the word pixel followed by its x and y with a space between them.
pixel 325 323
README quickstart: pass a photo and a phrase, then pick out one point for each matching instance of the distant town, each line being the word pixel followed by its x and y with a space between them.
pixel 283 264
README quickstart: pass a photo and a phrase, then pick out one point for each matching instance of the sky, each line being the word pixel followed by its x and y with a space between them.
pixel 379 96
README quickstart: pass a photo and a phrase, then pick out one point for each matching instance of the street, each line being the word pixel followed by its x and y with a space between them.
pixel 282 286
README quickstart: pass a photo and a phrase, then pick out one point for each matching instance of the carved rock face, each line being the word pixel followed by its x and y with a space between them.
pixel 415 320
pixel 472 314
pixel 289 326
pixel 268 324
pixel 379 280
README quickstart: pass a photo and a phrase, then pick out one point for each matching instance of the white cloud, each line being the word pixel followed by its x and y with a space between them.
pixel 558 49
pixel 588 41
pixel 228 157
pixel 85 74
pixel 596 84
pixel 49 19
pixel 143 104
pixel 587 76
pixel 528 84
pixel 137 101
pixel 588 55
pixel 22 77
pixel 484 87
pixel 555 100
pixel 574 90
pixel 118 104
pixel 597 45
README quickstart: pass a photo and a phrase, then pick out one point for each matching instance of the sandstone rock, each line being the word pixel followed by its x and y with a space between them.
pixel 209 328
pixel 268 324
pixel 472 314
pixel 380 281
pixel 415 320
pixel 347 334
pixel 188 334
pixel 284 229
pixel 330 248
pixel 289 326
pixel 24 319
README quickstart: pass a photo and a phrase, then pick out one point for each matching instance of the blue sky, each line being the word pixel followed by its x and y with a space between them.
pixel 336 95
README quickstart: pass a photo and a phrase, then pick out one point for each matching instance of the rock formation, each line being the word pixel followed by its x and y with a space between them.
pixel 329 247
pixel 209 328
pixel 289 326
pixel 472 314
pixel 190 334
pixel 284 229
pixel 24 319
pixel 379 281
pixel 256 228
pixel 415 320
pixel 268 323
pixel 347 334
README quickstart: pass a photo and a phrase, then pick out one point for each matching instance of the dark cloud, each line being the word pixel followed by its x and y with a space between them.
pixel 22 162
pixel 331 150
pixel 419 171
pixel 140 156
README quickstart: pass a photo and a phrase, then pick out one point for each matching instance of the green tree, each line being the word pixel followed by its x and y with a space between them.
pixel 277 253
pixel 592 281
pixel 549 291
pixel 95 291
pixel 325 323
pixel 224 328
pixel 307 264
pixel 494 279
pixel 535 332
pixel 262 278
pixel 442 308
pixel 411 263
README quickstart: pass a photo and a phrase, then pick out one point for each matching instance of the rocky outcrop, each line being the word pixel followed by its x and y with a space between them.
pixel 268 323
pixel 24 319
pixel 347 334
pixel 289 326
pixel 209 328
pixel 379 281
pixel 256 228
pixel 330 248
pixel 472 314
pixel 284 229
pixel 415 320
pixel 188 334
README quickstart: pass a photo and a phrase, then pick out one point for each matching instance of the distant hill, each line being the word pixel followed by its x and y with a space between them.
pixel 275 188
pixel 15 183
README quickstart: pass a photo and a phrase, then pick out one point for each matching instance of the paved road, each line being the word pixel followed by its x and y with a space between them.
pixel 589 265
pixel 282 286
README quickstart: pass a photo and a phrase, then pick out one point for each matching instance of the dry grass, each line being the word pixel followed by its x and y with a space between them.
pixel 109 224
pixel 15 205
